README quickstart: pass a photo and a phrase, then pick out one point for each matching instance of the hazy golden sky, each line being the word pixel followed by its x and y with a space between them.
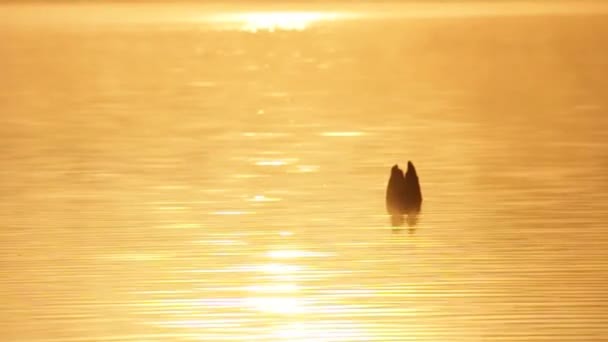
pixel 95 12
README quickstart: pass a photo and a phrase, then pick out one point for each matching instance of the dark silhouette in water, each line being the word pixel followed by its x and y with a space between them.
pixel 395 192
pixel 413 195
pixel 403 195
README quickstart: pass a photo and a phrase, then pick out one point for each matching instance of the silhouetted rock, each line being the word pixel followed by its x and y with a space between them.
pixel 403 194
pixel 412 195
pixel 395 192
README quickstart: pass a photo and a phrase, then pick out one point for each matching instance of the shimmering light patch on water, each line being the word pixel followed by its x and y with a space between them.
pixel 286 233
pixel 262 198
pixel 172 208
pixel 274 288
pixel 342 134
pixel 278 305
pixel 279 268
pixel 291 254
pixel 276 162
pixel 232 212
pixel 271 163
pixel 307 168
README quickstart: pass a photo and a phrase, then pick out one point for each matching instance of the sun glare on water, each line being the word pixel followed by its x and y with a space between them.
pixel 277 21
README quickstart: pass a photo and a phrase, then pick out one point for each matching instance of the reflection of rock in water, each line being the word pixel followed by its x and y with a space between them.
pixel 403 195
pixel 412 219
pixel 396 220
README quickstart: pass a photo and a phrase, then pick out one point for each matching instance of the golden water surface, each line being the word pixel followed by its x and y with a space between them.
pixel 222 177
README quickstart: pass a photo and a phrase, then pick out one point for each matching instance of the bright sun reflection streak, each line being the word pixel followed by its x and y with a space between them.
pixel 279 305
pixel 274 162
pixel 278 288
pixel 262 198
pixel 279 268
pixel 290 254
pixel 270 163
pixel 274 21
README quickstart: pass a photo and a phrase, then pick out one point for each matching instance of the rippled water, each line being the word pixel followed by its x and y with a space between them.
pixel 178 183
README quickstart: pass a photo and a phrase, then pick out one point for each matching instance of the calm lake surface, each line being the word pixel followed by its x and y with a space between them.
pixel 201 180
